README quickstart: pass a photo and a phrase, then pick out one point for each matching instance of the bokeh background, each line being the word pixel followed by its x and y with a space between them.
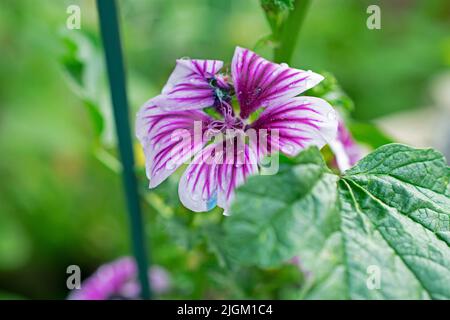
pixel 61 201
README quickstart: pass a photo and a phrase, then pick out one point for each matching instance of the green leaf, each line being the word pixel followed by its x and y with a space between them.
pixel 404 193
pixel 273 225
pixel 82 62
pixel 387 219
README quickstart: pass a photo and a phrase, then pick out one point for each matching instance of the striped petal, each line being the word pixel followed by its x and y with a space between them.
pixel 189 85
pixel 214 174
pixel 346 150
pixel 261 83
pixel 241 161
pixel 107 281
pixel 294 125
pixel 169 138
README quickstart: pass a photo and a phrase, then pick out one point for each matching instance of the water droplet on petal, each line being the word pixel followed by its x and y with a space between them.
pixel 195 196
pixel 332 115
pixel 211 201
pixel 284 65
pixel 287 149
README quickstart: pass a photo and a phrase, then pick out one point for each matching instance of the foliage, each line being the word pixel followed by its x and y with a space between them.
pixel 391 211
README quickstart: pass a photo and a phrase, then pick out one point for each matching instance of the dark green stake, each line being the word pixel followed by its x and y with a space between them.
pixel 113 52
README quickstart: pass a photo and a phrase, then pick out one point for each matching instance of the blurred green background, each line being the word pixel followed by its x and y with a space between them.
pixel 60 205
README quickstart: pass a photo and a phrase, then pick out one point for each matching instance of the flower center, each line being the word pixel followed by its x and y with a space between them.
pixel 229 123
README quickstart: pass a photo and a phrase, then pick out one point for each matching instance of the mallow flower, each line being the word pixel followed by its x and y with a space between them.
pixel 227 123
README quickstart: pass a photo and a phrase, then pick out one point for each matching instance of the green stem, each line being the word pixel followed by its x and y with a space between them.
pixel 287 38
pixel 113 53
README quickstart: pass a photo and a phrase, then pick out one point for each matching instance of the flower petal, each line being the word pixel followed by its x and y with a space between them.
pixel 107 281
pixel 169 138
pixel 346 150
pixel 294 125
pixel 188 86
pixel 261 83
pixel 198 185
pixel 241 161
pixel 214 174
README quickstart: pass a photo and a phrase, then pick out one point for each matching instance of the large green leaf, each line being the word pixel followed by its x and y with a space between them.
pixel 389 214
pixel 273 215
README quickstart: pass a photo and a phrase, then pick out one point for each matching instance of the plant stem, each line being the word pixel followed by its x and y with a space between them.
pixel 287 38
pixel 113 53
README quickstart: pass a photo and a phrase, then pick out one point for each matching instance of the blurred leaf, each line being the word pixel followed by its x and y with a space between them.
pixel 214 237
pixel 96 116
pixel 71 61
pixel 15 246
pixel 83 63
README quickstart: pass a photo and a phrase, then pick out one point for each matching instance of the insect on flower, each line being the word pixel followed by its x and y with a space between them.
pixel 227 123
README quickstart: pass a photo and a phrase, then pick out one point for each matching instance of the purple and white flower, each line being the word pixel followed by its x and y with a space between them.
pixel 258 113
pixel 118 280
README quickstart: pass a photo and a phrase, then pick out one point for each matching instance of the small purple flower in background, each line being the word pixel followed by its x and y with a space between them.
pixel 118 279
pixel 346 151
pixel 226 149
